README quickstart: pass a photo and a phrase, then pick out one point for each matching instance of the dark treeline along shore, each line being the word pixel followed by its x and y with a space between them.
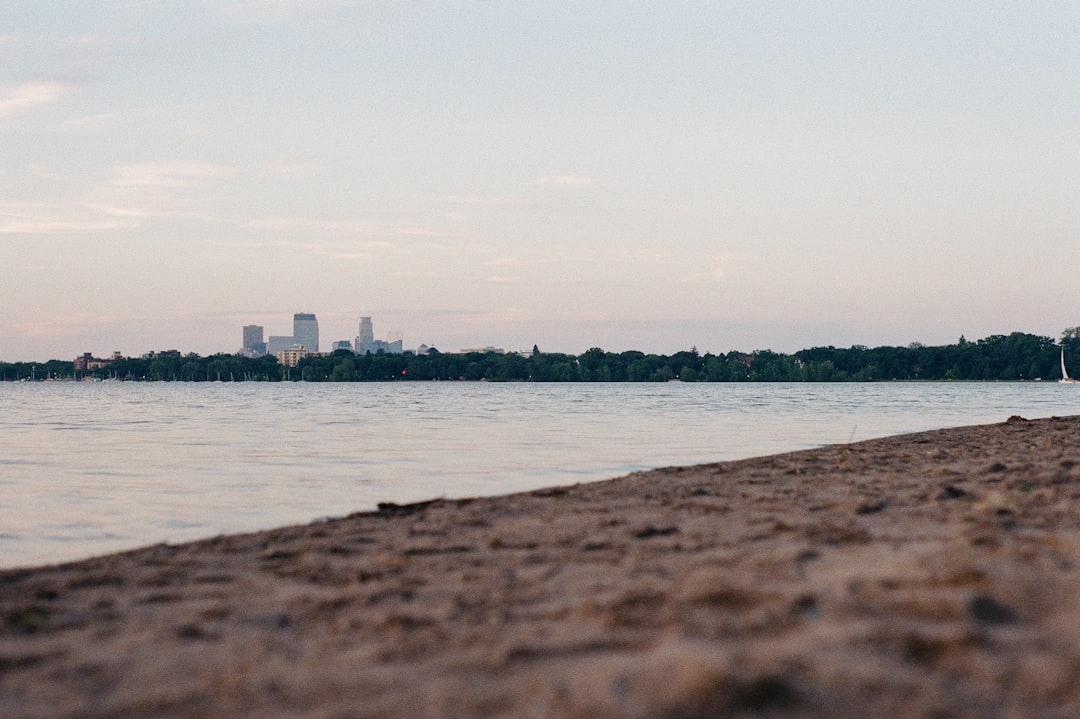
pixel 1017 356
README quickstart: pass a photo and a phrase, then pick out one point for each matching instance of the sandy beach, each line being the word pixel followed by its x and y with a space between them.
pixel 926 575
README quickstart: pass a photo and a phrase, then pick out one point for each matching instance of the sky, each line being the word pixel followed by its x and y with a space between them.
pixel 626 175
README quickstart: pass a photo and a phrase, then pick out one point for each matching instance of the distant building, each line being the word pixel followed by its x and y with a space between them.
pixel 278 343
pixel 252 334
pixel 306 331
pixel 305 334
pixel 291 357
pixel 391 348
pixel 366 341
pixel 88 362
pixel 341 345
pixel 482 350
pixel 254 345
pixel 366 336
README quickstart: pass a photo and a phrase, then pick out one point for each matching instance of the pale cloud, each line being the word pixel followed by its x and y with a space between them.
pixel 48 268
pixel 571 180
pixel 507 314
pixel 92 122
pixel 24 97
pixel 372 231
pixel 426 233
pixel 45 227
pixel 40 220
pixel 132 211
pixel 503 280
pixel 290 166
pixel 306 224
pixel 418 274
pixel 713 269
pixel 86 43
pixel 168 174
pixel 42 172
pixel 645 256
pixel 78 45
pixel 136 203
pixel 723 264
pixel 361 252
pixel 482 200
pixel 317 248
pixel 62 326
pixel 278 12
pixel 280 224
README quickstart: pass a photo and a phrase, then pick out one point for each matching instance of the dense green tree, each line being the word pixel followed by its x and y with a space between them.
pixel 1017 356
pixel 344 370
pixel 1070 343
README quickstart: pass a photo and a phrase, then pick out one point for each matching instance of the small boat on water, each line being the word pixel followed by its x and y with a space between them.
pixel 1065 378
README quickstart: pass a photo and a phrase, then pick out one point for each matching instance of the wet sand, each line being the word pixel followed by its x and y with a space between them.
pixel 926 575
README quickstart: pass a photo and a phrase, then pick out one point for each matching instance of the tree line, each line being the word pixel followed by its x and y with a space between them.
pixel 1017 356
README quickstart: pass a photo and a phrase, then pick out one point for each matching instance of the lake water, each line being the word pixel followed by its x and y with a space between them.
pixel 89 468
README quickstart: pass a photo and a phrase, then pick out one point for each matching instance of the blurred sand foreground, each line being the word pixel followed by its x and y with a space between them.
pixel 926 575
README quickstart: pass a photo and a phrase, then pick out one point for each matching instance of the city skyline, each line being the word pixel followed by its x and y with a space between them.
pixel 305 336
pixel 731 176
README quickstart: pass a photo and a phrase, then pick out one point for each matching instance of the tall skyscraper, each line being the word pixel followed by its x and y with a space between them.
pixel 253 339
pixel 278 343
pixel 367 336
pixel 306 331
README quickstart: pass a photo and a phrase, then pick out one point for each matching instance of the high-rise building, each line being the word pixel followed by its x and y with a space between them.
pixel 253 340
pixel 306 331
pixel 367 336
pixel 278 343
pixel 366 341
pixel 252 334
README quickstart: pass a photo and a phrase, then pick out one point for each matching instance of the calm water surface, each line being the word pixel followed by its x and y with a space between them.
pixel 88 468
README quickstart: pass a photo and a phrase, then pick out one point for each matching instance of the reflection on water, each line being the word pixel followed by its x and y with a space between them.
pixel 97 467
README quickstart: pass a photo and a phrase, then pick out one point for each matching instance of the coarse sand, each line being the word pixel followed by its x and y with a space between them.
pixel 926 575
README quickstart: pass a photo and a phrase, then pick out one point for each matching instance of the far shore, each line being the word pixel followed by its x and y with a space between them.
pixel 925 575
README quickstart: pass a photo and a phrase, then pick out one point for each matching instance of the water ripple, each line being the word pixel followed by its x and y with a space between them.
pixel 97 467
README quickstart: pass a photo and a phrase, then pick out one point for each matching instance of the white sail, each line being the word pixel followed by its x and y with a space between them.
pixel 1065 378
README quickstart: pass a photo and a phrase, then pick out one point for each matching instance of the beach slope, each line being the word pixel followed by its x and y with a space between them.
pixel 926 575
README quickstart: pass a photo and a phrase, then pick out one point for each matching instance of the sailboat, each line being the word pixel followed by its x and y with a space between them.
pixel 1065 378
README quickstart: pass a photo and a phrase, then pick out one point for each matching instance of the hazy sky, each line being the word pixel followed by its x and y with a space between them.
pixel 629 175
